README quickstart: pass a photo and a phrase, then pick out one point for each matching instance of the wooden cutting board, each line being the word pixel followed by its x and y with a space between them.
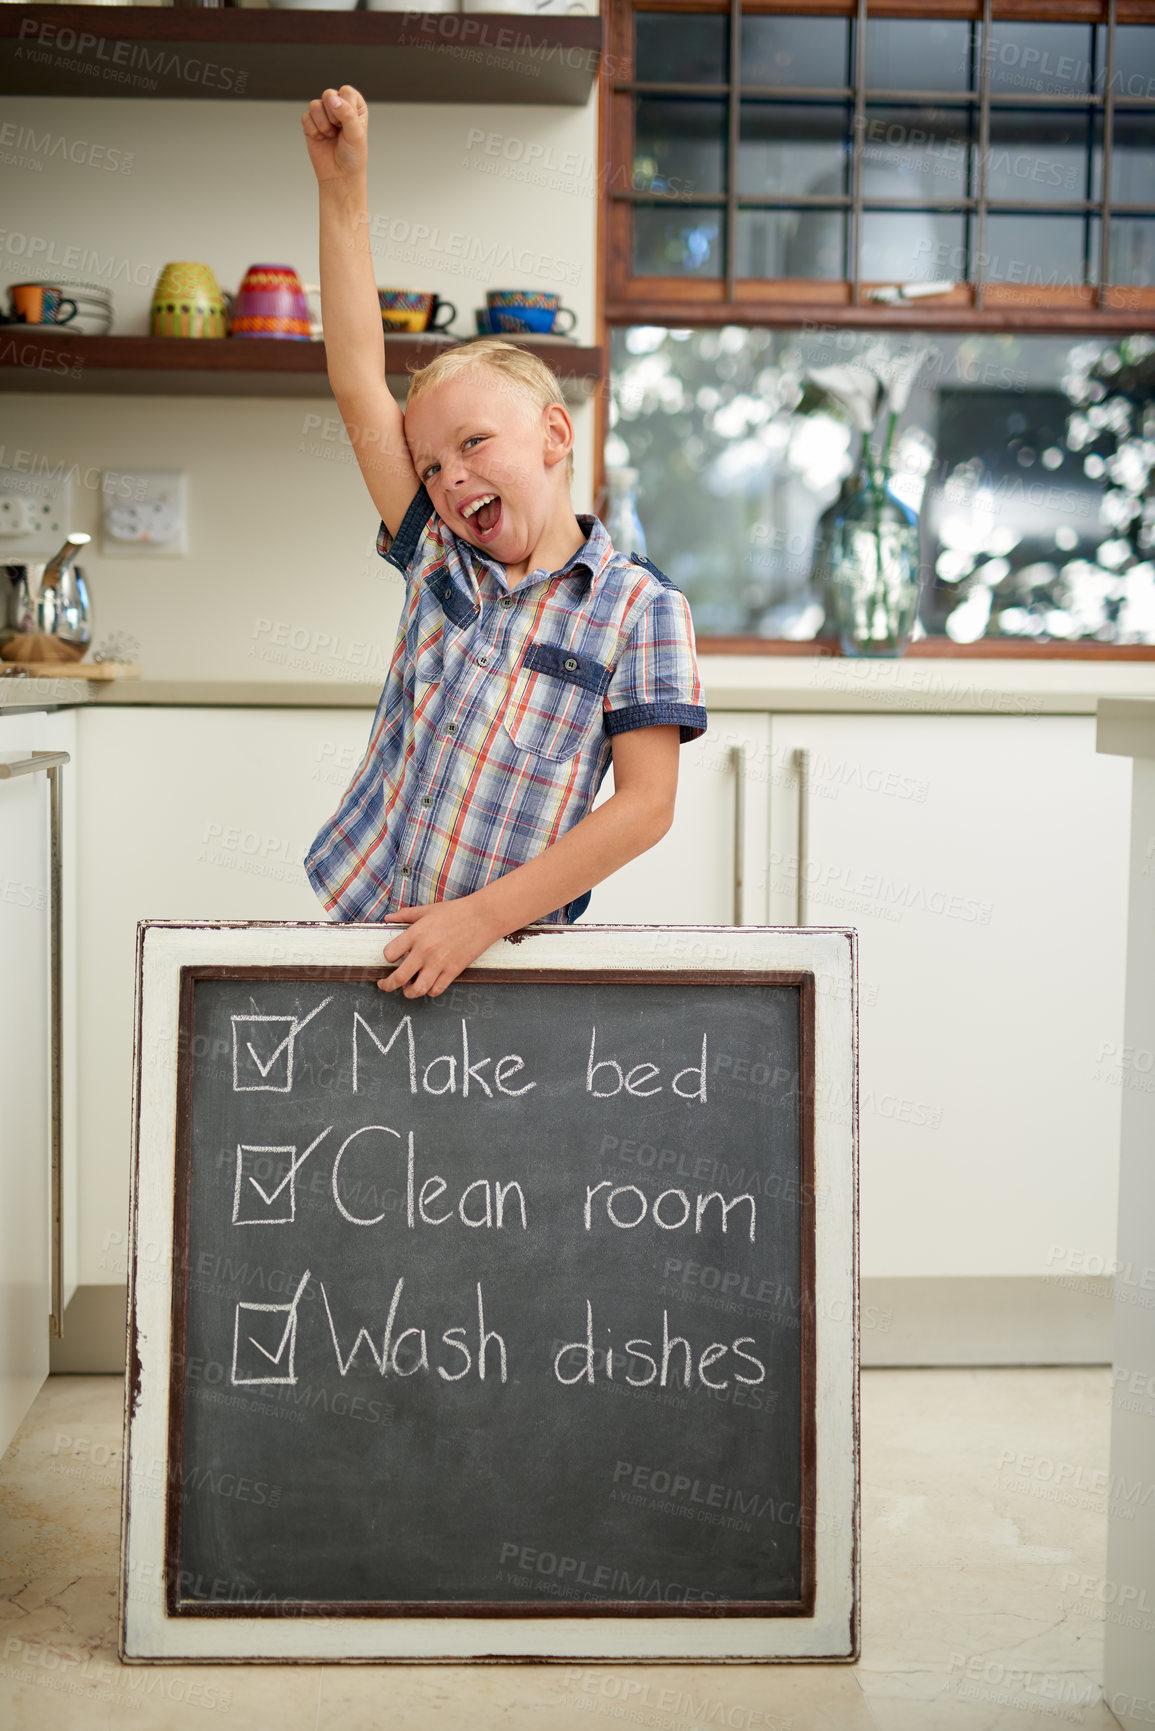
pixel 71 669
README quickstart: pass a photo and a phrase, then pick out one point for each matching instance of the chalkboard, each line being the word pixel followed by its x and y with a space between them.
pixel 497 1306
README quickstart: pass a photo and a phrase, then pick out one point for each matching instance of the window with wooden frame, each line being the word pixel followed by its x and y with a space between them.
pixel 786 186
pixel 768 160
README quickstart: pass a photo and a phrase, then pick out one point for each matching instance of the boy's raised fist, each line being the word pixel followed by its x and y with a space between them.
pixel 336 125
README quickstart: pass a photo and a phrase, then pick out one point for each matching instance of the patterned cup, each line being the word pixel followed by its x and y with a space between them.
pixel 521 310
pixel 37 303
pixel 188 302
pixel 271 303
pixel 407 310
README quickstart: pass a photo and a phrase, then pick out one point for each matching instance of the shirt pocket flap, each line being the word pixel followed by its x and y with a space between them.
pixel 554 707
pixel 568 664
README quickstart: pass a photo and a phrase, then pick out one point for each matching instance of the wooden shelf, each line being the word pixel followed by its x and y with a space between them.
pixel 273 55
pixel 47 358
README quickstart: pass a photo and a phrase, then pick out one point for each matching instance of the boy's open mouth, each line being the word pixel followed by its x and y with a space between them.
pixel 485 519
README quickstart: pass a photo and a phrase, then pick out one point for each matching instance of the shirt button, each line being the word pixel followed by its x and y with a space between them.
pixel 483 660
pixel 507 600
pixel 427 799
pixel 406 871
pixel 452 727
pixel 570 664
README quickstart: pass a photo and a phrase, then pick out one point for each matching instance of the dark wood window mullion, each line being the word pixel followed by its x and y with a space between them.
pixel 856 154
pixel 980 220
pixel 1108 113
pixel 733 120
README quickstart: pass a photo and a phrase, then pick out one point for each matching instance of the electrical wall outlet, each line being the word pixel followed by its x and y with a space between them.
pixel 16 516
pixel 35 514
pixel 144 514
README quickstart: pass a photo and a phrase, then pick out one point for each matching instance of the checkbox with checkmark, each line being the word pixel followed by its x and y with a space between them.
pixel 264 1048
pixel 265 1192
pixel 265 1342
pixel 263 1054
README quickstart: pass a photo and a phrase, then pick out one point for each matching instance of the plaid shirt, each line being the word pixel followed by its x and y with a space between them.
pixel 492 734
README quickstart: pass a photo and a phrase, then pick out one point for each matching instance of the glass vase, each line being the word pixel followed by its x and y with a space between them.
pixel 875 572
pixel 622 523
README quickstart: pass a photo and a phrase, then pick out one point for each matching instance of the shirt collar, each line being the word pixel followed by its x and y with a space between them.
pixel 591 557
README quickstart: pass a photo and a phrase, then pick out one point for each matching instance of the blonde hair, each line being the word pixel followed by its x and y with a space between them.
pixel 521 370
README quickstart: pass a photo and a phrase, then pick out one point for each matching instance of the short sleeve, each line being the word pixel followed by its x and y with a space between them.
pixel 404 548
pixel 656 681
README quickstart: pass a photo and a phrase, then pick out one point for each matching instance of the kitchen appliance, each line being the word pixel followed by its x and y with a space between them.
pixel 62 605
pixel 17 614
pixel 58 622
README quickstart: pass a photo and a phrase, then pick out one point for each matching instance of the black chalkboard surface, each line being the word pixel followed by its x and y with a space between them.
pixel 497 1304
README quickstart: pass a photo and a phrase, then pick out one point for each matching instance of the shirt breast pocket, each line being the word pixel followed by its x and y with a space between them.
pixel 555 701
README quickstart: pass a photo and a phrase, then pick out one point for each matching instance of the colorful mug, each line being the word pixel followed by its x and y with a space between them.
pixel 188 302
pixel 271 302
pixel 521 310
pixel 37 303
pixel 407 310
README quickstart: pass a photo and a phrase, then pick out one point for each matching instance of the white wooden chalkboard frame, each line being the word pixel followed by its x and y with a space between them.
pixel 148 1630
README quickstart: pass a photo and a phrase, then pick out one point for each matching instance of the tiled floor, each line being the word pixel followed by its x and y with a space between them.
pixel 979 1609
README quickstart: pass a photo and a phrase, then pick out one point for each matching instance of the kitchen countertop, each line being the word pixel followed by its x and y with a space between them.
pixel 784 684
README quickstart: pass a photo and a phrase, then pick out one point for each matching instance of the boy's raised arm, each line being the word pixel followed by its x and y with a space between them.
pixel 335 126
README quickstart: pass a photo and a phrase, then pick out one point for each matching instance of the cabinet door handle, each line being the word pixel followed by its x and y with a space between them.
pixel 738 764
pixel 802 765
pixel 30 763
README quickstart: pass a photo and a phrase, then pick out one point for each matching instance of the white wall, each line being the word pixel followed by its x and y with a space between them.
pixel 281 526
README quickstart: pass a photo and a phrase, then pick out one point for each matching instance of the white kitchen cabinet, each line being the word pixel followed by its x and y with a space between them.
pixel 26 1247
pixel 197 813
pixel 983 861
pixel 710 867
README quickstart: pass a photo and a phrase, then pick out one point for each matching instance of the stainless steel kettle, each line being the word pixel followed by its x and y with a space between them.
pixel 62 605
pixel 19 610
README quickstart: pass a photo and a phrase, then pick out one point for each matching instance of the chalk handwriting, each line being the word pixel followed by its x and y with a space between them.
pixel 443 1074
pixel 400 1358
pixel 640 1080
pixel 581 1357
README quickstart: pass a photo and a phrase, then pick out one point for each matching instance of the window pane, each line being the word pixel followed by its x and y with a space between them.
pixel 1015 523
pixel 681 48
pixel 679 146
pixel 1006 449
pixel 815 245
pixel 1040 251
pixel 1133 251
pixel 806 53
pixel 1040 59
pixel 1134 60
pixel 791 243
pixel 1132 158
pixel 912 246
pixel 1039 156
pixel 917 54
pixel 917 152
pixel 677 242
pixel 793 147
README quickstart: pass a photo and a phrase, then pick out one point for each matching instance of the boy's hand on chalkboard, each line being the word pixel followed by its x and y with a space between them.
pixel 336 126
pixel 443 938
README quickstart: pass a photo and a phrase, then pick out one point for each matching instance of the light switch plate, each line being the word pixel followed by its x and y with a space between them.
pixel 35 513
pixel 143 514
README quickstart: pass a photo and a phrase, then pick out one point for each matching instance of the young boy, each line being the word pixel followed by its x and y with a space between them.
pixel 528 653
